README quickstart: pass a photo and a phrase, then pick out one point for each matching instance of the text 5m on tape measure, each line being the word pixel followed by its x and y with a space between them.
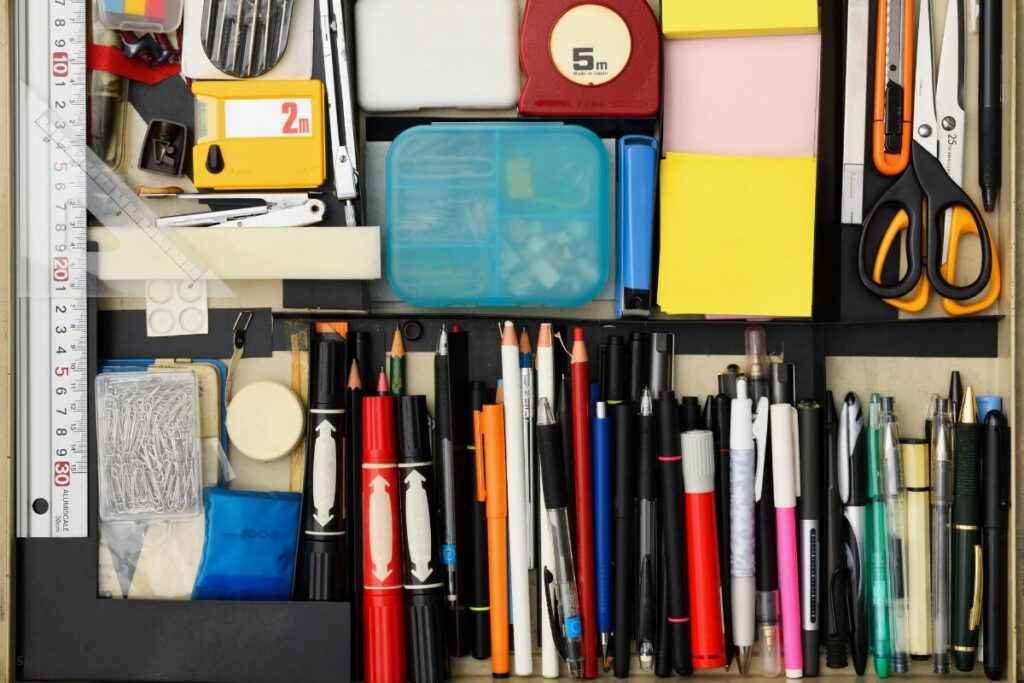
pixel 590 58
pixel 253 135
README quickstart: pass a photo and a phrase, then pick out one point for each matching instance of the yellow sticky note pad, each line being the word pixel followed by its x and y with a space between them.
pixel 725 18
pixel 737 235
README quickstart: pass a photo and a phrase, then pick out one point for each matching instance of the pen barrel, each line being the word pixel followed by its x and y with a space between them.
pixel 565 427
pixel 354 489
pixel 442 397
pixel 492 442
pixel 384 645
pixel 966 520
pixel 566 617
pixel 995 545
pixel 967 482
pixel 648 565
pixel 603 521
pixel 942 558
pixel 742 465
pixel 637 375
pixel 878 589
pixel 915 456
pixel 422 566
pixel 990 85
pixel 623 508
pixel 583 471
pixel 705 582
pixel 322 568
pixel 427 649
pixel 722 407
pixel 789 591
pixel 673 532
pixel 995 472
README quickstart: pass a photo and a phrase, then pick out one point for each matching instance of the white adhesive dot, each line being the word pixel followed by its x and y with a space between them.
pixel 161 321
pixel 191 319
pixel 159 291
pixel 190 291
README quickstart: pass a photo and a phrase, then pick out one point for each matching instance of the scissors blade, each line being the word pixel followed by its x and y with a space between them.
pixel 949 94
pixel 924 83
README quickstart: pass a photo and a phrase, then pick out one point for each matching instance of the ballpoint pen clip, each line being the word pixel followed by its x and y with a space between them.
pixel 840 594
pixel 760 429
pixel 974 617
pixel 844 456
pixel 795 426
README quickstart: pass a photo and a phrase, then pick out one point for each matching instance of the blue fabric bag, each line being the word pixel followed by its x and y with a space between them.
pixel 249 552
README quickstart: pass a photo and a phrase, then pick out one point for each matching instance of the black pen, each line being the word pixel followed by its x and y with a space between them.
pixel 808 514
pixel 967 575
pixel 637 372
pixel 354 453
pixel 447 514
pixel 990 101
pixel 427 647
pixel 647 534
pixel 718 421
pixel 767 576
pixel 995 469
pixel 838 617
pixel 565 426
pixel 623 506
pixel 672 531
pixel 322 573
pixel 479 599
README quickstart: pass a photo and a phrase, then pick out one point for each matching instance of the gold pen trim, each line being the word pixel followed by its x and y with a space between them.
pixel 963 648
pixel 974 618
pixel 965 527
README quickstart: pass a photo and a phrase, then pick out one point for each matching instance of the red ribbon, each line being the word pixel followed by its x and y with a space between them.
pixel 112 60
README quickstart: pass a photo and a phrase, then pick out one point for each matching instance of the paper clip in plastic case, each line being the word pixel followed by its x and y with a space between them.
pixel 498 214
pixel 638 173
pixel 265 135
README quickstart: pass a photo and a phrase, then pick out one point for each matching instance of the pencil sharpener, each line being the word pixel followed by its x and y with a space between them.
pixel 164 148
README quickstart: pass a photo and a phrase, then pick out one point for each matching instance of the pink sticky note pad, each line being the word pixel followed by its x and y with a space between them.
pixel 751 96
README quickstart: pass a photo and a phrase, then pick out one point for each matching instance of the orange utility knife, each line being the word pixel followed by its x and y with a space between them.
pixel 894 97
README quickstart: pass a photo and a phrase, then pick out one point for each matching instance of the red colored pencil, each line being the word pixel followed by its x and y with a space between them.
pixel 584 501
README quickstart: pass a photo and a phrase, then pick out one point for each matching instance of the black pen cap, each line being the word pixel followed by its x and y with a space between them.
pixel 956 395
pixel 637 377
pixel 549 452
pixel 689 414
pixel 727 380
pixel 995 471
pixel 413 431
pixel 782 388
pixel 722 420
pixel 331 375
pixel 666 412
pixel 811 455
pixel 477 395
pixel 615 369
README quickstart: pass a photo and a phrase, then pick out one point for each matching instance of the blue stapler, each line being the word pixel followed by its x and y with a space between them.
pixel 637 177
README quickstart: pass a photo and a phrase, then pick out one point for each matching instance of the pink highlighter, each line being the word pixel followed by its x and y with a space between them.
pixel 786 488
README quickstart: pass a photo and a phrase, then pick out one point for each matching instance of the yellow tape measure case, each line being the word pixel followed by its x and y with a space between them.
pixel 253 135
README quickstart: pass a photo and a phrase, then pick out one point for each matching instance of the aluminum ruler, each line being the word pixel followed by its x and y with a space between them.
pixel 51 343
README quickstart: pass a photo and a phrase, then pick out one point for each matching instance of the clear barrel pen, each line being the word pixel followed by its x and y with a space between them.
pixel 942 504
pixel 878 565
pixel 895 498
pixel 563 598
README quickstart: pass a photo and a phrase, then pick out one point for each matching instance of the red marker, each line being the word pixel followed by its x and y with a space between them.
pixel 707 629
pixel 383 609
pixel 585 578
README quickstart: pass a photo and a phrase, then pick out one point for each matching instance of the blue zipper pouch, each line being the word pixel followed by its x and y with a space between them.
pixel 249 552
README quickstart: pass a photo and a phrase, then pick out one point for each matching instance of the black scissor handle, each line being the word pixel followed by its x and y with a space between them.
pixel 904 194
pixel 943 194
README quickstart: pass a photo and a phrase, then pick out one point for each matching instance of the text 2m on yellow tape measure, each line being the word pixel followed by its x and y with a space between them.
pixel 253 135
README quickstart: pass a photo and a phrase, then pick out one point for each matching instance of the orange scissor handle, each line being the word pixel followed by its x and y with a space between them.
pixel 900 223
pixel 892 163
pixel 963 224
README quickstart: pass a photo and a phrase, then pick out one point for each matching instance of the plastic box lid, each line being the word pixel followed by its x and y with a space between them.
pixel 143 16
pixel 497 214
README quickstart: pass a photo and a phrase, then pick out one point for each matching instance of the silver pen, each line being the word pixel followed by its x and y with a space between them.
pixel 942 504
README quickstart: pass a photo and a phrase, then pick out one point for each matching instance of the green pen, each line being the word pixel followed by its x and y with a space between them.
pixel 878 565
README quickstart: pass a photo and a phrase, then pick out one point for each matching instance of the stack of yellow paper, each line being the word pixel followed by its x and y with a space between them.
pixel 725 18
pixel 737 235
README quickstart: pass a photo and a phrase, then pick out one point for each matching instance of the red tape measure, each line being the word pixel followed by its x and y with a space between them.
pixel 590 58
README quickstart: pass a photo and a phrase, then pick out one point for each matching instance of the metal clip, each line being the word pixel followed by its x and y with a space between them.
pixel 240 327
pixel 974 617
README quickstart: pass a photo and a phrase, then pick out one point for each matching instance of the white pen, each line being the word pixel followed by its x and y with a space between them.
pixel 529 416
pixel 742 463
pixel 549 667
pixel 515 457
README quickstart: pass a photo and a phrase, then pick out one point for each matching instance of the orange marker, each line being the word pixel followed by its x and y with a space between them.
pixel 894 92
pixel 489 438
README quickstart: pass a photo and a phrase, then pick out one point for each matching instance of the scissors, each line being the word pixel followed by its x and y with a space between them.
pixel 932 207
